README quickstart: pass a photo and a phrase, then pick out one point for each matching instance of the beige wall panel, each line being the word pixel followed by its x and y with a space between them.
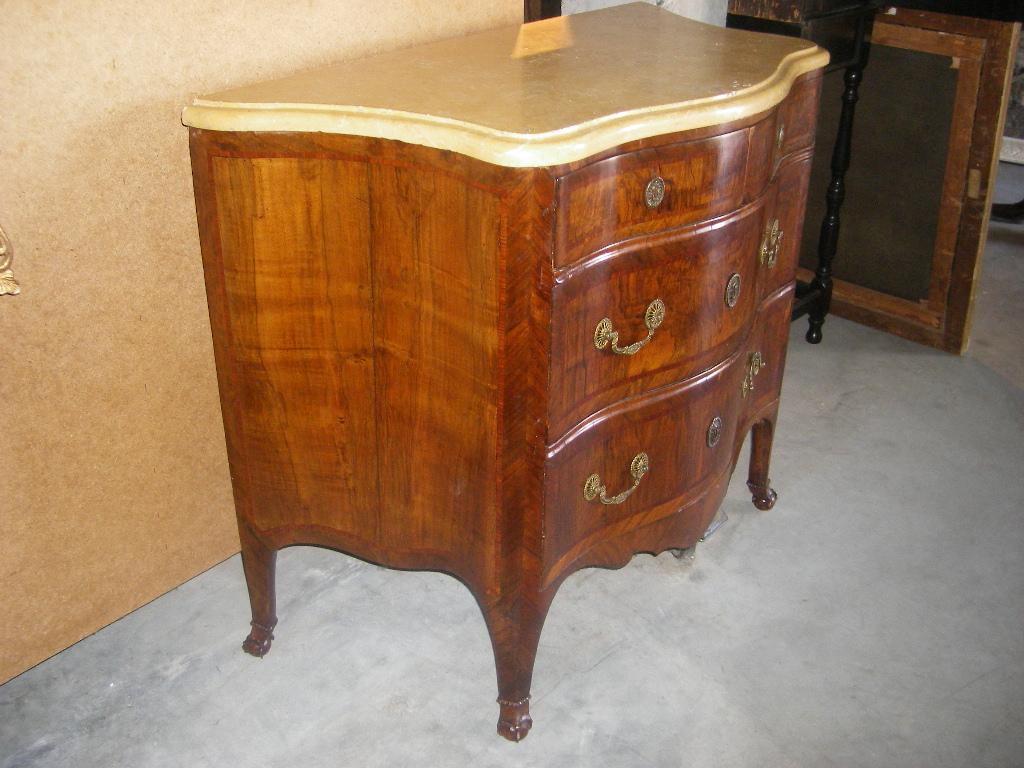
pixel 113 479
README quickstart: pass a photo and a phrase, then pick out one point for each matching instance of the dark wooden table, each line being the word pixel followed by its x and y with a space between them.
pixel 843 28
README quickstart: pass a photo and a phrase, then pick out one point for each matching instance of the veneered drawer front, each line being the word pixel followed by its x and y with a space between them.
pixel 606 202
pixel 769 341
pixel 653 312
pixel 597 488
pixel 686 437
pixel 783 224
pixel 797 115
pixel 786 131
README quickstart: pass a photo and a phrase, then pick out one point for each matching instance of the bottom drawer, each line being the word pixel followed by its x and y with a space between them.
pixel 644 459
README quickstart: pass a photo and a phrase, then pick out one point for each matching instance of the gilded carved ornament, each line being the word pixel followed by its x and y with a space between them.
pixel 8 285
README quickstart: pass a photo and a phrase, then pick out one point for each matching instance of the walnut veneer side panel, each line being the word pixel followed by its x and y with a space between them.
pixel 436 244
pixel 300 336
pixel 387 398
pixel 359 342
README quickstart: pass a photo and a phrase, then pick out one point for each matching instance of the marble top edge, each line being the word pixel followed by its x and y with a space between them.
pixel 508 135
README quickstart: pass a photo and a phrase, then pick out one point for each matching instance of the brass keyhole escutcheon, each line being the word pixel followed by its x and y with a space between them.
pixel 594 489
pixel 732 290
pixel 771 245
pixel 654 192
pixel 714 431
pixel 605 333
pixel 755 364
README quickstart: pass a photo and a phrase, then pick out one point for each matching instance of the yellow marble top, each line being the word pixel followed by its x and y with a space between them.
pixel 531 95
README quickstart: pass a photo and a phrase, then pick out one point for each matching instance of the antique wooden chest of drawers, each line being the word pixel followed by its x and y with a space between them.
pixel 504 306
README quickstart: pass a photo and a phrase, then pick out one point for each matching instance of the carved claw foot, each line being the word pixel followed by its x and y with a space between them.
pixel 514 721
pixel 258 642
pixel 763 498
pixel 686 555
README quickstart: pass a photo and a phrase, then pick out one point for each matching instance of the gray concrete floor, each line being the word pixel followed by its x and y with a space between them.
pixel 874 618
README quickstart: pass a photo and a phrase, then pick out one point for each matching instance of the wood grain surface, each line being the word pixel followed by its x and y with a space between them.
pixel 687 270
pixel 604 202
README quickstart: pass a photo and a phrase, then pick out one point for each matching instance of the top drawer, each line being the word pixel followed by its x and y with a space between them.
pixel 637 193
pixel 648 190
pixel 785 132
pixel 796 119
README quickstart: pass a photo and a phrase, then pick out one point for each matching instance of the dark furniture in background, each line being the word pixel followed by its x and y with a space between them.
pixel 920 185
pixel 843 28
pixel 1011 212
pixel 992 10
pixel 534 10
pixel 925 149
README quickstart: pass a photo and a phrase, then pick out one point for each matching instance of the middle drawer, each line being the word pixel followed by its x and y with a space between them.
pixel 649 313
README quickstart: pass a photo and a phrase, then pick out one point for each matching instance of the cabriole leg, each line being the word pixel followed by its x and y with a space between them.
pixel 761 436
pixel 258 562
pixel 515 626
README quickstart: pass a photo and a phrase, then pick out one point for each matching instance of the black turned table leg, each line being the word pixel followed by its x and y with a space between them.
pixel 1011 212
pixel 828 240
pixel 821 286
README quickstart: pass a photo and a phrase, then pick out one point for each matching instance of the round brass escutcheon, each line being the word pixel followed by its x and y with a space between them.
pixel 714 431
pixel 654 192
pixel 655 314
pixel 732 290
pixel 639 466
pixel 592 487
pixel 603 333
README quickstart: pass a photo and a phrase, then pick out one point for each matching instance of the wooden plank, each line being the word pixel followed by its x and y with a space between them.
pixel 875 303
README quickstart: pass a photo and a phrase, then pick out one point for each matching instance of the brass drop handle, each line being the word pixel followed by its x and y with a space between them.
pixel 755 364
pixel 593 488
pixel 605 333
pixel 771 245
pixel 654 192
